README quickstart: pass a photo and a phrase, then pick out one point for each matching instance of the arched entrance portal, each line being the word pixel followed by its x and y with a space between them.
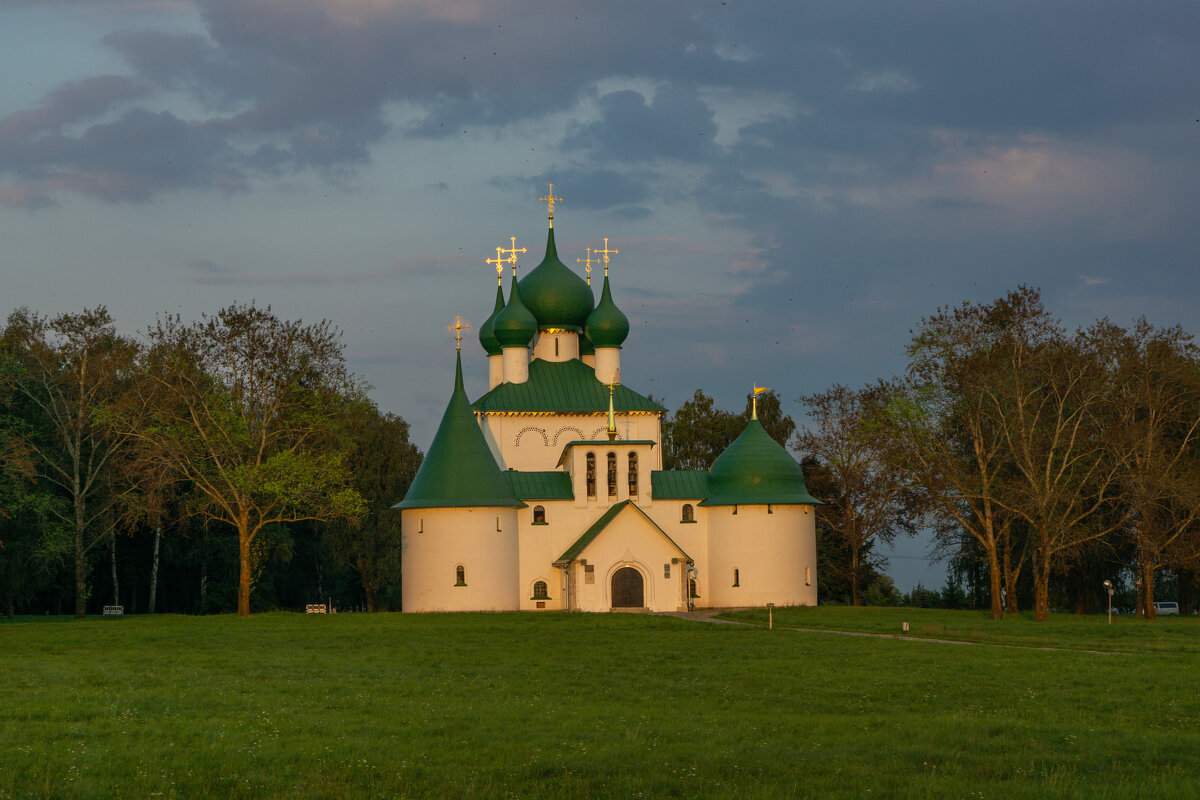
pixel 627 588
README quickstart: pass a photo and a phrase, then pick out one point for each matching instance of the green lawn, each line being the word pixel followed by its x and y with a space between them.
pixel 366 706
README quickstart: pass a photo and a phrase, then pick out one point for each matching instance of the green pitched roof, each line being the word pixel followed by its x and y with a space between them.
pixel 459 469
pixel 487 337
pixel 606 326
pixel 579 545
pixel 514 326
pixel 683 484
pixel 562 387
pixel 548 485
pixel 557 296
pixel 755 469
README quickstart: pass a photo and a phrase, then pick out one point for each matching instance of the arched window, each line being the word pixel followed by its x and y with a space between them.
pixel 539 515
pixel 612 474
pixel 736 582
pixel 633 475
pixel 689 514
pixel 591 474
pixel 540 591
pixel 460 575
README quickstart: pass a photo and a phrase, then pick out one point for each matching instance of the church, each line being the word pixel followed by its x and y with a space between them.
pixel 549 493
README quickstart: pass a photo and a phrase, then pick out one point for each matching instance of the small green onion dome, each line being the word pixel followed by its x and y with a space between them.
pixel 487 336
pixel 586 348
pixel 557 296
pixel 514 326
pixel 606 326
pixel 755 469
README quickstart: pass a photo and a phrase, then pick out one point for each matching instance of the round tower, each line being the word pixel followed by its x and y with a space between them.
pixel 491 345
pixel 514 328
pixel 607 328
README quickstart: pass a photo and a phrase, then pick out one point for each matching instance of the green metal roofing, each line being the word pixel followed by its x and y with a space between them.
pixel 548 485
pixel 557 296
pixel 684 484
pixel 562 387
pixel 459 469
pixel 576 549
pixel 514 326
pixel 606 326
pixel 755 469
pixel 487 337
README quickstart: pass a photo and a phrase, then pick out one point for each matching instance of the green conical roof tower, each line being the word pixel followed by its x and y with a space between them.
pixel 606 326
pixel 459 469
pixel 487 336
pixel 514 326
pixel 557 296
pixel 755 469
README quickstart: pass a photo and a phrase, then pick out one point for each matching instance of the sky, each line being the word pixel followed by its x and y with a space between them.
pixel 791 185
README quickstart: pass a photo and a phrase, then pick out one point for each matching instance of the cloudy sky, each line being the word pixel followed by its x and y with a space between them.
pixel 792 185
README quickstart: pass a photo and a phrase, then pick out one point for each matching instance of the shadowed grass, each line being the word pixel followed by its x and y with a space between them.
pixel 525 705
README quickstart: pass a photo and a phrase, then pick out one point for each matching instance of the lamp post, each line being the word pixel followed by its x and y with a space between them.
pixel 770 616
pixel 1109 588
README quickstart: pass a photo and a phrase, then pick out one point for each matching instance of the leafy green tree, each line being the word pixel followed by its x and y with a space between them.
pixel 698 432
pixel 251 411
pixel 383 463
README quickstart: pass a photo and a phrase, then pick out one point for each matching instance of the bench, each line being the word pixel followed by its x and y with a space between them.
pixel 114 610
pixel 316 608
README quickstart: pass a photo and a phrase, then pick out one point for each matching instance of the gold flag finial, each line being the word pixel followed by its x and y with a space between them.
pixel 587 265
pixel 606 253
pixel 550 200
pixel 460 325
pixel 754 399
pixel 499 261
pixel 511 253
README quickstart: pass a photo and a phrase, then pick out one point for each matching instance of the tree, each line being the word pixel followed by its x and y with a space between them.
pixel 73 371
pixel 251 411
pixel 699 432
pixel 383 463
pixel 871 501
pixel 1155 394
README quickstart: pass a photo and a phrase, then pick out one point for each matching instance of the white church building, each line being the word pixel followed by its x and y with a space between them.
pixel 549 493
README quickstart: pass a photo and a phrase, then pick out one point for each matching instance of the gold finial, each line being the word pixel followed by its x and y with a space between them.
pixel 587 265
pixel 606 253
pixel 612 417
pixel 550 200
pixel 512 253
pixel 499 262
pixel 457 329
pixel 754 399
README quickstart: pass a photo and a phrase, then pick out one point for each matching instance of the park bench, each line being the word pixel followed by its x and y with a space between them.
pixel 316 608
pixel 114 610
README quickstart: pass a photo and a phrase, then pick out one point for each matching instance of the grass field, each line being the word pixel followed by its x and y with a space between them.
pixel 381 706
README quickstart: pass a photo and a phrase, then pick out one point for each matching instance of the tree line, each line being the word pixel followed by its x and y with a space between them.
pixel 1045 460
pixel 240 422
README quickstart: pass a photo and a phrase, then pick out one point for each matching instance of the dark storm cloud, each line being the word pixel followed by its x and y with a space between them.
pixel 602 189
pixel 676 124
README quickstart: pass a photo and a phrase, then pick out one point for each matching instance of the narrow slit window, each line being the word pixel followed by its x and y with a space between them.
pixel 808 576
pixel 736 576
pixel 556 347
pixel 633 475
pixel 612 474
pixel 460 575
pixel 591 474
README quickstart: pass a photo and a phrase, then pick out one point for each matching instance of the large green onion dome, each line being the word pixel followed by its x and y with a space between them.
pixel 606 326
pixel 755 469
pixel 487 336
pixel 514 326
pixel 557 296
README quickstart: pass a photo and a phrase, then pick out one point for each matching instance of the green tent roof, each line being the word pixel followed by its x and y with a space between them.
pixel 606 326
pixel 683 484
pixel 459 469
pixel 487 337
pixel 562 387
pixel 755 469
pixel 579 545
pixel 540 485
pixel 557 296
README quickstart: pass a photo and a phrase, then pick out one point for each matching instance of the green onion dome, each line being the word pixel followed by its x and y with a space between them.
pixel 606 326
pixel 514 326
pixel 586 348
pixel 557 296
pixel 487 336
pixel 755 469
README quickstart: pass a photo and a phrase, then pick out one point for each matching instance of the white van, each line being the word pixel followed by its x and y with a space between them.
pixel 1166 609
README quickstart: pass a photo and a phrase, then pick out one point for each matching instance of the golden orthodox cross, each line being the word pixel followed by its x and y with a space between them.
pixel 512 253
pixel 550 200
pixel 499 262
pixel 587 265
pixel 457 329
pixel 606 253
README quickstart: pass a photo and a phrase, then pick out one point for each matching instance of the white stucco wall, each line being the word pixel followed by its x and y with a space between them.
pixel 534 442
pixel 434 541
pixel 770 552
